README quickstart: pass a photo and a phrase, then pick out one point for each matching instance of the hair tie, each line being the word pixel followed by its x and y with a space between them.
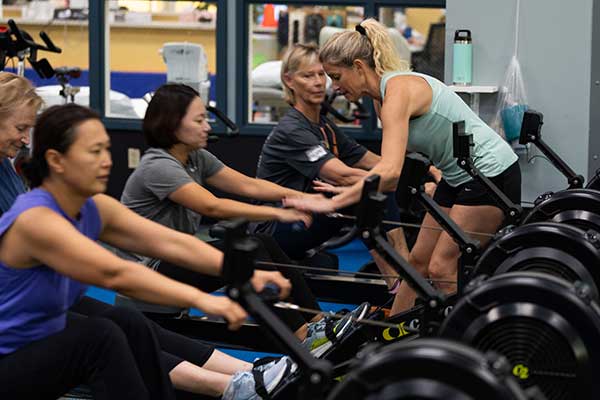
pixel 361 29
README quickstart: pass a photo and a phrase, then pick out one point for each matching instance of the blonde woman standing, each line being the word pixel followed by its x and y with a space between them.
pixel 417 112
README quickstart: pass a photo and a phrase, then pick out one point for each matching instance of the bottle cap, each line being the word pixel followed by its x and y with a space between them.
pixel 462 35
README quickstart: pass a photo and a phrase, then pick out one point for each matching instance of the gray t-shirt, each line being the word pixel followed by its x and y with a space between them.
pixel 295 151
pixel 297 148
pixel 157 176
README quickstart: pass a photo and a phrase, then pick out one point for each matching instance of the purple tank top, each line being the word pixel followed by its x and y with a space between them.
pixel 34 301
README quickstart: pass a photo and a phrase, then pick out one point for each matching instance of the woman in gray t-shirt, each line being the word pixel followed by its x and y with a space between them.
pixel 168 187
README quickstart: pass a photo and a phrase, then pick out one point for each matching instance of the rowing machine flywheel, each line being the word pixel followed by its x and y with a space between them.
pixel 578 207
pixel 547 328
pixel 429 369
pixel 556 249
pixel 594 183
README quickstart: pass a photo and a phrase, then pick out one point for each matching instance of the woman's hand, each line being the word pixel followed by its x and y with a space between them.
pixel 310 196
pixel 435 173
pixel 430 188
pixel 223 307
pixel 325 187
pixel 292 215
pixel 261 278
pixel 320 205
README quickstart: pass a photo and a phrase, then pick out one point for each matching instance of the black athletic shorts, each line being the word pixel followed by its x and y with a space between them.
pixel 472 193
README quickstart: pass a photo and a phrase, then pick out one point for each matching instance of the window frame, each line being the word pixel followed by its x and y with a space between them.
pixel 368 129
pixel 99 71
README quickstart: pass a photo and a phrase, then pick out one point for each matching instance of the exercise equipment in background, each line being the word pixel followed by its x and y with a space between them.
pixel 187 64
pixel 17 43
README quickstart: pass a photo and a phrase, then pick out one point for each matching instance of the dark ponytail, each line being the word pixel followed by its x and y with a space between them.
pixel 54 129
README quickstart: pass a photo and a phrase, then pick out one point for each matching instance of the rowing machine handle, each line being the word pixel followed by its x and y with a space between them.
pixel 270 293
pixel 234 130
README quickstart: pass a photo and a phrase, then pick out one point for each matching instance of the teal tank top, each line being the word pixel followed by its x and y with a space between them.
pixel 431 134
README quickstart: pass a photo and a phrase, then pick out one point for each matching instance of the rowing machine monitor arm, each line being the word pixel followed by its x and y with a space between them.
pixel 462 152
pixel 360 113
pixel 238 268
pixel 469 248
pixel 531 132
pixel 369 214
pixel 233 129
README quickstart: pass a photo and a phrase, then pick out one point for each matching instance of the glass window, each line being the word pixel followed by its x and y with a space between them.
pixel 423 31
pixel 273 27
pixel 152 42
pixel 67 29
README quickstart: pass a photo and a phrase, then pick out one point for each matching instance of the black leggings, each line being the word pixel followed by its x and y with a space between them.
pixel 175 348
pixel 268 251
pixel 115 353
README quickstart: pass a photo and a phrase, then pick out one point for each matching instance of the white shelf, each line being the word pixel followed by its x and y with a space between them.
pixel 473 89
pixel 474 92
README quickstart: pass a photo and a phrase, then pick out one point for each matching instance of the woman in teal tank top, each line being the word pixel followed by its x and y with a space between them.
pixel 416 113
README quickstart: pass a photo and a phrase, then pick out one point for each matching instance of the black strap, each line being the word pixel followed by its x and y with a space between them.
pixel 329 331
pixel 259 383
pixel 361 29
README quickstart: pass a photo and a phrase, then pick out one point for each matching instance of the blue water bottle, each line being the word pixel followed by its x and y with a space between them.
pixel 462 66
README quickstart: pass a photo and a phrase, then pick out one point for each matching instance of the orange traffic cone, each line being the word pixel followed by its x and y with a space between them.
pixel 269 20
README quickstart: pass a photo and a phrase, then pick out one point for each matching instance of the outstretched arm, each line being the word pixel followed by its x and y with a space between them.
pixel 198 199
pixel 129 231
pixel 231 181
pixel 125 229
pixel 49 239
pixel 339 174
pixel 368 161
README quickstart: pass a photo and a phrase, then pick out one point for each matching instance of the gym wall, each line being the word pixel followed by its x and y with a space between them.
pixel 559 55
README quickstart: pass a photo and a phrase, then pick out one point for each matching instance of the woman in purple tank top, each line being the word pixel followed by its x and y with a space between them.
pixel 48 254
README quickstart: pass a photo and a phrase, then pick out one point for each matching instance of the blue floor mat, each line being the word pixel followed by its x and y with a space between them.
pixel 352 256
pixel 248 356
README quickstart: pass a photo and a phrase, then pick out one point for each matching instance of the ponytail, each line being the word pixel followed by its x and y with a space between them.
pixel 384 53
pixel 33 172
pixel 370 42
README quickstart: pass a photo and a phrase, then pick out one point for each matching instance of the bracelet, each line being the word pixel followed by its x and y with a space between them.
pixel 395 287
